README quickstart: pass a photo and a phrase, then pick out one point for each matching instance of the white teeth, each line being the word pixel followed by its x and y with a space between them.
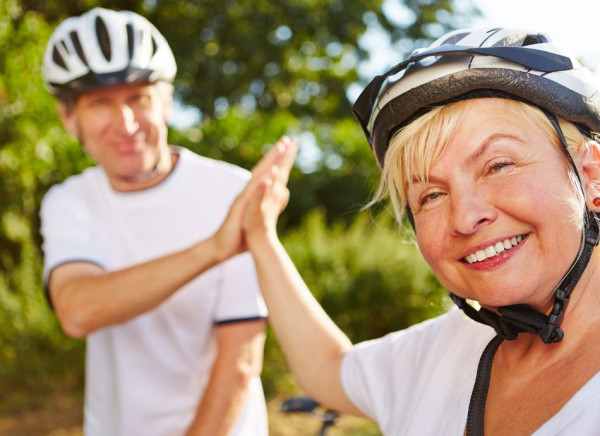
pixel 492 250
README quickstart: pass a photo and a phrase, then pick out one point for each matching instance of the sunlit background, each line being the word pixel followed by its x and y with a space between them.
pixel 293 75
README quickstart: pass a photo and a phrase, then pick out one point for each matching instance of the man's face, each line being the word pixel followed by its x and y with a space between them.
pixel 123 128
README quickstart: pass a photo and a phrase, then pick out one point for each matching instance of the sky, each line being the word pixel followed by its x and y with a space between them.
pixel 569 23
pixel 573 24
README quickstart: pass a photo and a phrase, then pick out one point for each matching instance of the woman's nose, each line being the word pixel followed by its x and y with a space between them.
pixel 470 211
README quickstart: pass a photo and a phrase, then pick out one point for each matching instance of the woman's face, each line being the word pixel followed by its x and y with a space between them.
pixel 495 220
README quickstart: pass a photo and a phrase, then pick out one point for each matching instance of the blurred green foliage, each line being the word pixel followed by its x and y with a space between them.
pixel 34 153
pixel 369 277
pixel 254 70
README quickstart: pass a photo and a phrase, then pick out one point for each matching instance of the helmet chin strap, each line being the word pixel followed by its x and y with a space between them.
pixel 520 318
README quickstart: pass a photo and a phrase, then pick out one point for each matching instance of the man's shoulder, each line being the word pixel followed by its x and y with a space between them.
pixel 217 168
pixel 77 184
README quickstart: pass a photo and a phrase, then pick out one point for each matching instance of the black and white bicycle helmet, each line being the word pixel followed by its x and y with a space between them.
pixel 516 62
pixel 105 47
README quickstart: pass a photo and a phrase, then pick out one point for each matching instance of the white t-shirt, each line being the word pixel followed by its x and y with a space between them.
pixel 419 381
pixel 146 377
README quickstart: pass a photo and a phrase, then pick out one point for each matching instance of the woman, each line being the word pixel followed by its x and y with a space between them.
pixel 486 141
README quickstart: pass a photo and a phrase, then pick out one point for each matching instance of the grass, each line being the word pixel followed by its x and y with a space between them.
pixel 58 412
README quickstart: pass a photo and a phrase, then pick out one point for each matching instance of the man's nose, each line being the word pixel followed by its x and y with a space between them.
pixel 126 120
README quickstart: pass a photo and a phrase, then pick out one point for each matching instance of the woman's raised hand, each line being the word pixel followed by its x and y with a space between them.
pixel 269 176
pixel 272 195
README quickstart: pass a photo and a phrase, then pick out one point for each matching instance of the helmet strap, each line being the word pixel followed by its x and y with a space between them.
pixel 514 319
pixel 521 318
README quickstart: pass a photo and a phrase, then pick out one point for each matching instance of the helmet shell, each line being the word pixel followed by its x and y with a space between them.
pixel 104 47
pixel 454 72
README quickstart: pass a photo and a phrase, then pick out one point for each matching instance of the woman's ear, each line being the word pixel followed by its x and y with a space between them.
pixel 590 172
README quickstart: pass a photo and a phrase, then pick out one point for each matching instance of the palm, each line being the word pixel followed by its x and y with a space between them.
pixel 259 204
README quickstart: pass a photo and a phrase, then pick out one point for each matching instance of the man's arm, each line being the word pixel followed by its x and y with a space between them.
pixel 87 298
pixel 239 359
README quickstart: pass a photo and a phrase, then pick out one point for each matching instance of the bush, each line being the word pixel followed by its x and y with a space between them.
pixel 368 277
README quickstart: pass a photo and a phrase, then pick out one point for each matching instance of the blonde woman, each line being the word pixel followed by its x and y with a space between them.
pixel 486 142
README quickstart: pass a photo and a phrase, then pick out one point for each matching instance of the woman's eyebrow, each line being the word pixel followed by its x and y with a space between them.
pixel 476 154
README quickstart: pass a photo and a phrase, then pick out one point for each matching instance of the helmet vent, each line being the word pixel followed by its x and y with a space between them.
pixel 130 37
pixel 534 39
pixel 57 58
pixel 77 45
pixel 154 46
pixel 103 38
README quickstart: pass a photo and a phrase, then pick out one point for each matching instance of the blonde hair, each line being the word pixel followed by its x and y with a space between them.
pixel 415 148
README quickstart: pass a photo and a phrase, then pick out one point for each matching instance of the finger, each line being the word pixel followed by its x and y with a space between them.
pixel 255 203
pixel 273 156
pixel 251 187
pixel 287 161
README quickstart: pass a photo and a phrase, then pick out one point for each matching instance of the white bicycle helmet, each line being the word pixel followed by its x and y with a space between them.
pixel 105 47
pixel 465 63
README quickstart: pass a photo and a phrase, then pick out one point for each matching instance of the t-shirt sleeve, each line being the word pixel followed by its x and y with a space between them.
pixel 67 231
pixel 383 374
pixel 363 373
pixel 429 367
pixel 239 296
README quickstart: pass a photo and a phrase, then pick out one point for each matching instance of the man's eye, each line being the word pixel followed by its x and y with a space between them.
pixel 141 99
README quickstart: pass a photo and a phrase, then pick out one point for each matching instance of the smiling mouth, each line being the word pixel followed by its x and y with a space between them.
pixel 493 250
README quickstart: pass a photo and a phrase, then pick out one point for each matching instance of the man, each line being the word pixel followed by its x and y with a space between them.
pixel 174 341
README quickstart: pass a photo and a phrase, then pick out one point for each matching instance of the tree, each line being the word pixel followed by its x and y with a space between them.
pixel 281 67
pixel 34 153
pixel 254 69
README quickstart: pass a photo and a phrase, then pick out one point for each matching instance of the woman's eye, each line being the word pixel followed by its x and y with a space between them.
pixel 499 165
pixel 430 197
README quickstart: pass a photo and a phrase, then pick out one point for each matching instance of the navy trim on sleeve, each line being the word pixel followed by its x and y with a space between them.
pixel 47 278
pixel 238 320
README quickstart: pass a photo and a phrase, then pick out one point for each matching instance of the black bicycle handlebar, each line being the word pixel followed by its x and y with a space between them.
pixel 303 404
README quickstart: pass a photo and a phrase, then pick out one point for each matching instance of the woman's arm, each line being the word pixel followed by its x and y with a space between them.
pixel 313 345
